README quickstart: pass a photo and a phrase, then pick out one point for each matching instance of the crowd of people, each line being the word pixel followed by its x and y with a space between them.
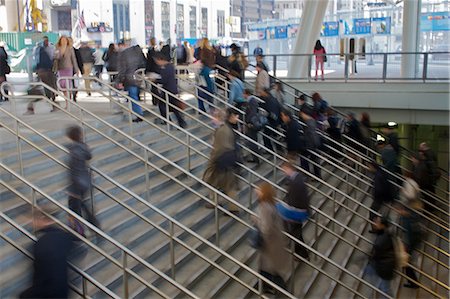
pixel 265 111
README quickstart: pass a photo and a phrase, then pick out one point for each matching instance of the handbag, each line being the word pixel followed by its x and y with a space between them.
pixel 256 239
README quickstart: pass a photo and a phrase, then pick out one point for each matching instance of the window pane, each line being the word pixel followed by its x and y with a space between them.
pixel 193 21
pixel 180 21
pixel 165 20
pixel 220 23
pixel 204 22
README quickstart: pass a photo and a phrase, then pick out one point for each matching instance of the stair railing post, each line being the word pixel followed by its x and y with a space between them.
pixel 188 137
pixel 147 178
pixel 166 95
pixel 275 168
pixel 19 147
pixel 292 279
pixel 250 178
pixel 309 67
pixel 33 209
pixel 172 250
pixel 274 65
pixel 316 232
pixel 130 118
pixel 84 283
pixel 125 274
pixel 334 207
pixel 216 215
pixel 91 192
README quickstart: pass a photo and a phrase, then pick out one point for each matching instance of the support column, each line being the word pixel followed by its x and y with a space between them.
pixel 309 30
pixel 410 37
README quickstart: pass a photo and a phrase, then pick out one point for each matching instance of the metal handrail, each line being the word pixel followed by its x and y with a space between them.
pixel 166 216
pixel 355 152
pixel 144 202
pixel 223 195
pixel 123 249
pixel 84 275
pixel 243 166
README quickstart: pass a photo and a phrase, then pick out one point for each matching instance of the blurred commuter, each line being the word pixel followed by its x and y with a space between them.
pixel 426 174
pixel 273 109
pixel 353 131
pixel 297 197
pixel 391 137
pixel 319 53
pixel 4 67
pixel 43 55
pixel 166 51
pixel 168 81
pixel 208 58
pixel 388 157
pixel 80 182
pixel 260 60
pixel 50 266
pixel 237 61
pixel 320 107
pixel 312 141
pixel 236 95
pixel 130 60
pixel 222 165
pixel 255 122
pixel 293 141
pixel 382 190
pixel 381 266
pixel 87 58
pixel 258 51
pixel 222 70
pixel 75 82
pixel 111 59
pixel 365 132
pixel 181 53
pixel 98 61
pixel 274 260
pixel 410 220
pixel 189 53
pixel 278 92
pixel 262 80
pixel 152 68
pixel 431 163
pixel 299 102
pixel 66 63
pixel 335 126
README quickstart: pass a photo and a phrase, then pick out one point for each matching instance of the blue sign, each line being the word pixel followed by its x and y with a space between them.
pixel 330 29
pixel 435 21
pixel 361 26
pixel 281 32
pixel 381 25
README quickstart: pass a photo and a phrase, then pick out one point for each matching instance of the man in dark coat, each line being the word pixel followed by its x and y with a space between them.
pixel 152 67
pixel 380 270
pixel 312 141
pixel 169 82
pixel 273 108
pixel 297 197
pixel 293 141
pixel 251 116
pixel 382 190
pixel 51 252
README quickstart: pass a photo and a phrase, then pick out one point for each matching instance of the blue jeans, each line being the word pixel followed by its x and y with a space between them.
pixel 133 92
pixel 209 82
pixel 373 278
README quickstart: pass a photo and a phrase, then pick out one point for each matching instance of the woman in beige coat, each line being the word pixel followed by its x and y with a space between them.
pixel 273 258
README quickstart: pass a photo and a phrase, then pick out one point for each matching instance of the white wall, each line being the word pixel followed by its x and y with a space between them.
pixel 8 16
pixel 137 21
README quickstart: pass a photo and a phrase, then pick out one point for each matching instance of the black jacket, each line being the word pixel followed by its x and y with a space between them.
pixel 383 255
pixel 293 140
pixel 87 55
pixel 3 62
pixel 151 66
pixel 297 193
pixel 382 188
pixel 273 107
pixel 111 60
pixel 130 60
pixel 51 252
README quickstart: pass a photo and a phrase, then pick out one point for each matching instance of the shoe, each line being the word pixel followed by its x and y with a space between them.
pixel 29 112
pixel 137 120
pixel 89 94
pixel 411 285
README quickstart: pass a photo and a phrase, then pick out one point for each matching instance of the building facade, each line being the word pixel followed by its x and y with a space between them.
pixel 106 21
pixel 249 11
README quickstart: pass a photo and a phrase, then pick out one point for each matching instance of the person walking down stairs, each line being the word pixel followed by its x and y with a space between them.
pixel 220 172
pixel 79 177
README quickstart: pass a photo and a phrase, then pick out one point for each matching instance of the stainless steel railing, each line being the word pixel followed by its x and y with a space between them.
pixel 125 252
pixel 315 253
pixel 174 222
pixel 377 66
pixel 85 278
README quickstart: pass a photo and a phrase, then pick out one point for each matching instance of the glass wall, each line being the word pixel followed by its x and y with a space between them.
pixel 165 20
pixel 149 20
pixel 193 21
pixel 121 14
pixel 220 23
pixel 180 21
pixel 204 22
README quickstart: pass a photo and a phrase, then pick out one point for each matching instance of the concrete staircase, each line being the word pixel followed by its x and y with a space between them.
pixel 185 206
